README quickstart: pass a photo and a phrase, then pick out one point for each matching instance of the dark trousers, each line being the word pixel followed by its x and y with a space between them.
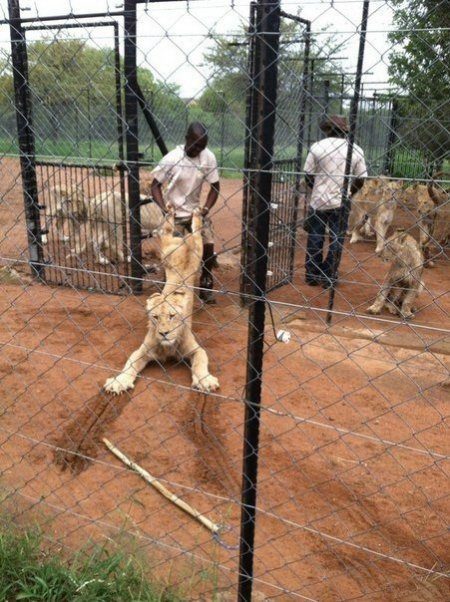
pixel 317 267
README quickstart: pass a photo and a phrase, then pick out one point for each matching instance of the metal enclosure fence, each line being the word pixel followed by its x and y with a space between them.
pixel 319 469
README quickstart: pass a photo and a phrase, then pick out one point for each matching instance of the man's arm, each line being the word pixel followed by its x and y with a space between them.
pixel 359 172
pixel 157 195
pixel 357 184
pixel 309 179
pixel 212 197
pixel 310 168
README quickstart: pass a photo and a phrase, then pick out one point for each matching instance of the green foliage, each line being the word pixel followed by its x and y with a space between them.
pixel 229 81
pixel 29 573
pixel 73 88
pixel 419 65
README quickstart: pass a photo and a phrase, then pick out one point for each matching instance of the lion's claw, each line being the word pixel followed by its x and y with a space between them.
pixel 118 384
pixel 207 384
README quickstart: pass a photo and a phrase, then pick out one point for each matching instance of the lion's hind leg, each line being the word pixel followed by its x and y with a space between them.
pixel 382 298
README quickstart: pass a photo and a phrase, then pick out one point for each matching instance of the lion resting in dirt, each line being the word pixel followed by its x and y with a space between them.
pixel 431 203
pixel 403 282
pixel 104 214
pixel 69 209
pixel 170 314
pixel 373 209
pixel 169 336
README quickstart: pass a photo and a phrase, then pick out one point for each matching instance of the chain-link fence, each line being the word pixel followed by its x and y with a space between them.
pixel 209 391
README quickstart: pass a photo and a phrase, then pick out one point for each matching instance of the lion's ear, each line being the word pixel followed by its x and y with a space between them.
pixel 153 301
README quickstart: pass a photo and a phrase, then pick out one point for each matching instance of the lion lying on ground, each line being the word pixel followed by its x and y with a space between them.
pixel 431 203
pixel 403 282
pixel 104 217
pixel 170 315
pixel 373 209
pixel 68 209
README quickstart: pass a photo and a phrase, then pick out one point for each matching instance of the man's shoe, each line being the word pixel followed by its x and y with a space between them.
pixel 313 281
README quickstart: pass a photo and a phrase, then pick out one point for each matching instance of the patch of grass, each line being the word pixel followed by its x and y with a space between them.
pixel 28 572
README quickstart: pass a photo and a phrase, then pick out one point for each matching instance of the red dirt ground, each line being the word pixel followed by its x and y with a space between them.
pixel 353 480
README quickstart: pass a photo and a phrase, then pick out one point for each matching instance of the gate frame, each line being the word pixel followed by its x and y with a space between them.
pixel 128 115
pixel 251 152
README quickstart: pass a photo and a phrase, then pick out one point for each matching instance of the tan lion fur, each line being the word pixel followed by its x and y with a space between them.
pixel 105 217
pixel 373 209
pixel 170 313
pixel 403 282
pixel 68 207
pixel 432 208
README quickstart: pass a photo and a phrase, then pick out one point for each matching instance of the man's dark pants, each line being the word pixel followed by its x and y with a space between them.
pixel 318 269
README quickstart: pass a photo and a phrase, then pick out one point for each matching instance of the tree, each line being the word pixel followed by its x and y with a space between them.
pixel 73 90
pixel 419 66
pixel 229 80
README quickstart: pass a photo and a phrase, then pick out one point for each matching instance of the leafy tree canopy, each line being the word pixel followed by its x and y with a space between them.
pixel 419 66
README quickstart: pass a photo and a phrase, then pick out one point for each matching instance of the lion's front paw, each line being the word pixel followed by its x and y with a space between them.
pixel 392 309
pixel 119 384
pixel 206 384
pixel 373 309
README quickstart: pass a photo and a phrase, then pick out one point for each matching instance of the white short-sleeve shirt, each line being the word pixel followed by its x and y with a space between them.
pixel 326 162
pixel 184 177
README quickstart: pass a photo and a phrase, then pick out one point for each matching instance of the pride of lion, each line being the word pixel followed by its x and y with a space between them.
pixel 169 332
pixel 373 211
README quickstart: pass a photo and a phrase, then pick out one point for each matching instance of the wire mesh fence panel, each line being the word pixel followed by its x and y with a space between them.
pixel 263 413
pixel 84 226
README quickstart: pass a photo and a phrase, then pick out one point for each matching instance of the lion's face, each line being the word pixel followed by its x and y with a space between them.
pixel 71 201
pixel 167 317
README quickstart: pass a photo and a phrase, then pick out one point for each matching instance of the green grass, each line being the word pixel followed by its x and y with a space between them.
pixel 28 572
pixel 408 163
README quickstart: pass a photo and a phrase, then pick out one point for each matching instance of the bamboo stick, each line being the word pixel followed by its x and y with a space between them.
pixel 160 487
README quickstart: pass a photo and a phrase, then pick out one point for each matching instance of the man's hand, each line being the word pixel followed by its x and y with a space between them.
pixel 212 197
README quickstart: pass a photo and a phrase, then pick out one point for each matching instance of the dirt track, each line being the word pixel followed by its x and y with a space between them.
pixel 347 483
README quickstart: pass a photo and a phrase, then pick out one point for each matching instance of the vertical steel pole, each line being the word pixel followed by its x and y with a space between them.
pixel 89 121
pixel 303 98
pixel 341 108
pixel 326 96
pixel 345 201
pixel 392 137
pixel 120 139
pixel 132 154
pixel 25 134
pixel 251 118
pixel 267 39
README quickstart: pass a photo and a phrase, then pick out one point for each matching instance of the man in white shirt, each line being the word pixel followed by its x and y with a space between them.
pixel 183 172
pixel 324 174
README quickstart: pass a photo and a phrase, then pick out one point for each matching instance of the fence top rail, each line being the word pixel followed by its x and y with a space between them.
pixel 67 16
pixel 72 25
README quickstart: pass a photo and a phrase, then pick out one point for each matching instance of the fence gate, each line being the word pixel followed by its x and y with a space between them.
pixel 76 209
pixel 287 160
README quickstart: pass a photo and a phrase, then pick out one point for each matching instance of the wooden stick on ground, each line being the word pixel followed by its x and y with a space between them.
pixel 160 487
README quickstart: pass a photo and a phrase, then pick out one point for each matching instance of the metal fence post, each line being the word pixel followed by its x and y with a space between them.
pixel 267 39
pixel 251 119
pixel 345 203
pixel 389 158
pixel 25 134
pixel 132 154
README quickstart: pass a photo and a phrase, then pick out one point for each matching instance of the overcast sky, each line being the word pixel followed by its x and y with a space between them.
pixel 174 35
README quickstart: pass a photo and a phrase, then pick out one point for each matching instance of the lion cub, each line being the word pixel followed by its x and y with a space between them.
pixel 373 209
pixel 169 332
pixel 403 281
pixel 433 216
